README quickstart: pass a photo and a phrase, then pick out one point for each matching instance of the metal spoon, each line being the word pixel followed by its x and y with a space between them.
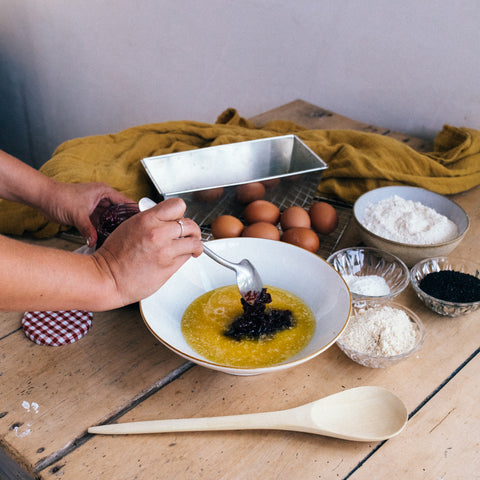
pixel 249 283
pixel 367 414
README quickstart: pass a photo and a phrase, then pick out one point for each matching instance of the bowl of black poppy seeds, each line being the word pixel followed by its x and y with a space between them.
pixel 448 286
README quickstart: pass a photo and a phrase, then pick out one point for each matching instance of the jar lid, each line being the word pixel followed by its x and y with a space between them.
pixel 56 328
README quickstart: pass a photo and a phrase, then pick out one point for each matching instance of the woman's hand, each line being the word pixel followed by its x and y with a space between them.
pixel 75 203
pixel 137 258
pixel 143 252
pixel 64 203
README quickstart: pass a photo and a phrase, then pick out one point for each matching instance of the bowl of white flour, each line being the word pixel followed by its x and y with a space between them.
pixel 410 222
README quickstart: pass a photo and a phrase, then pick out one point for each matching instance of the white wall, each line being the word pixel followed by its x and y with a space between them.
pixel 72 68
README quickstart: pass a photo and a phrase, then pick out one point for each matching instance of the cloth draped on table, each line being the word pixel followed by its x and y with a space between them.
pixel 357 161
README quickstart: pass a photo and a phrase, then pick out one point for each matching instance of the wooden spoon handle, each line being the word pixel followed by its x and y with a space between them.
pixel 232 422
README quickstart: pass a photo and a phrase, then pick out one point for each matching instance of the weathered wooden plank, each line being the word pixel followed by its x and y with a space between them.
pixel 313 117
pixel 117 362
pixel 445 435
pixel 262 454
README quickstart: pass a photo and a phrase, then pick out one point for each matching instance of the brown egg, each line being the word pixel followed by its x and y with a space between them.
pixel 295 217
pixel 249 192
pixel 210 195
pixel 324 217
pixel 302 237
pixel 271 182
pixel 294 178
pixel 226 226
pixel 261 211
pixel 261 230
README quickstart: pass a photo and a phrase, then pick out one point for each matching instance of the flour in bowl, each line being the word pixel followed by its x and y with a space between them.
pixel 370 285
pixel 406 221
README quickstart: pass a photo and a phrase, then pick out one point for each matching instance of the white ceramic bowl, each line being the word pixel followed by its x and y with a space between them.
pixel 356 262
pixel 279 264
pixel 409 253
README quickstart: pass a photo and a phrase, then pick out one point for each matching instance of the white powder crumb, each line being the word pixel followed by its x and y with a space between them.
pixel 20 433
pixel 27 406
pixel 406 221
pixel 370 285
pixel 381 331
pixel 24 430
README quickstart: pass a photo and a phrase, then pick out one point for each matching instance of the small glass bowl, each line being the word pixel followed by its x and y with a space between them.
pixel 376 361
pixel 363 261
pixel 436 264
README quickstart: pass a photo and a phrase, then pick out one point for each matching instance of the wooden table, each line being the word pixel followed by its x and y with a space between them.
pixel 119 372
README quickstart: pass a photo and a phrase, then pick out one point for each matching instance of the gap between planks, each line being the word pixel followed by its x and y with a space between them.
pixel 418 408
pixel 70 447
pixel 173 375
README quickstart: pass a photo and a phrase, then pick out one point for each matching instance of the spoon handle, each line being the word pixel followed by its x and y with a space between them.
pixel 270 420
pixel 218 258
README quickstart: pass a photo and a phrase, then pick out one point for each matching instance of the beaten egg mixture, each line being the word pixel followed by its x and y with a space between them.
pixel 208 317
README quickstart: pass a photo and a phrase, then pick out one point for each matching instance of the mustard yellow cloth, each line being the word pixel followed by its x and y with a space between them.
pixel 358 161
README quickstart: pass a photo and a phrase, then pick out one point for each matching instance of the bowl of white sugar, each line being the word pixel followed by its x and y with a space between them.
pixel 410 222
pixel 370 273
pixel 380 334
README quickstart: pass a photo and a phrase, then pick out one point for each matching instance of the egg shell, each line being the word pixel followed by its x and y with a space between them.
pixel 209 196
pixel 261 211
pixel 271 182
pixel 324 217
pixel 302 237
pixel 294 178
pixel 226 226
pixel 261 230
pixel 295 217
pixel 249 192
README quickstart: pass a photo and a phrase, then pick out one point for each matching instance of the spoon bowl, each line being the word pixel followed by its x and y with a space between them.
pixel 365 414
pixel 249 283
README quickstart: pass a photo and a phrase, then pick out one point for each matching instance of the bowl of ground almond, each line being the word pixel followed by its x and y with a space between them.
pixel 381 333
pixel 448 286
pixel 410 222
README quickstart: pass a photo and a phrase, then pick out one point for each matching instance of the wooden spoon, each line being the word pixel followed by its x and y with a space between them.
pixel 363 414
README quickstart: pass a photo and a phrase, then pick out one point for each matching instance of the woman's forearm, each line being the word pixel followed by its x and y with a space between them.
pixel 39 278
pixel 21 183
pixel 141 254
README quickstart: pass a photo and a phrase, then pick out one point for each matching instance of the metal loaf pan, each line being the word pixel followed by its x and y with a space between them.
pixel 194 174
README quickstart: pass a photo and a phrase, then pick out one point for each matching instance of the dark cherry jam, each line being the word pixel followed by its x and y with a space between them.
pixel 111 217
pixel 257 321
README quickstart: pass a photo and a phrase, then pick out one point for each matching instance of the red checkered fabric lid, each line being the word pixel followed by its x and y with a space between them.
pixel 56 328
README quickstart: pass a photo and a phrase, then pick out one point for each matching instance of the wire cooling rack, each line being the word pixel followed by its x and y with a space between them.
pixel 301 194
